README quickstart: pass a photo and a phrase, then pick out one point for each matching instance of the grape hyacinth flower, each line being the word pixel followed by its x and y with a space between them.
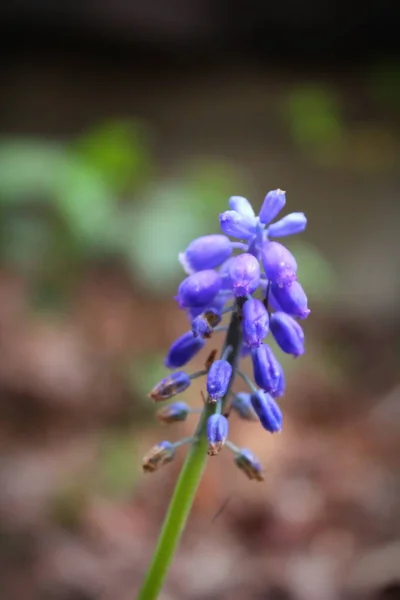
pixel 173 384
pixel 176 411
pixel 244 274
pixel 291 300
pixel 183 350
pixel 255 322
pixel 280 265
pixel 248 289
pixel 267 411
pixel 218 379
pixel 266 368
pixel 206 252
pixel 217 433
pixel 288 333
pixel 199 289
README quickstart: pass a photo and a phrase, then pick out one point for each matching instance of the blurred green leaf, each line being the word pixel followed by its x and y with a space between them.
pixel 145 373
pixel 211 184
pixel 384 80
pixel 118 152
pixel 161 227
pixel 169 217
pixel 313 113
pixel 316 274
pixel 117 460
pixel 85 202
pixel 29 169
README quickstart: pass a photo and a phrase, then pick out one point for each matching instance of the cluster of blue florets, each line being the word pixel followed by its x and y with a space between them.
pixel 257 278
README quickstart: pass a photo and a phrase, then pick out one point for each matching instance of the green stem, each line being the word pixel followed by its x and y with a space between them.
pixel 187 484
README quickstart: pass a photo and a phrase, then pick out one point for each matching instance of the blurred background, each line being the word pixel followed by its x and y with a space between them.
pixel 124 129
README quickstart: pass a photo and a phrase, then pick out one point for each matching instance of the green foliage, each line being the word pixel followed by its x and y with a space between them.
pixel 119 152
pixel 63 204
pixel 384 82
pixel 314 117
pixel 315 272
pixel 117 455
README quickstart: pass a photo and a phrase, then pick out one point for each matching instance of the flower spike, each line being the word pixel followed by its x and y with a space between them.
pixel 224 278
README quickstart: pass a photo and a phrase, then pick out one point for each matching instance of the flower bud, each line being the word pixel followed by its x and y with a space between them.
pixel 241 404
pixel 255 322
pixel 241 205
pixel 249 464
pixel 173 384
pixel 272 205
pixel 203 325
pixel 199 289
pixel 206 252
pixel 265 367
pixel 217 432
pixel 177 411
pixel 288 333
pixel 267 411
pixel 289 225
pixel 279 264
pixel 290 299
pixel 158 456
pixel 244 274
pixel 237 225
pixel 218 379
pixel 182 350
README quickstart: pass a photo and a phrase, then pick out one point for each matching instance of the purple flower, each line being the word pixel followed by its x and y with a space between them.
pixel 237 225
pixel 279 264
pixel 266 368
pixel 202 326
pixel 289 225
pixel 182 350
pixel 272 205
pixel 217 433
pixel 267 411
pixel 176 411
pixel 206 252
pixel 170 386
pixel 244 274
pixel 289 299
pixel 241 205
pixel 199 289
pixel 288 333
pixel 255 322
pixel 249 463
pixel 241 404
pixel 218 379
